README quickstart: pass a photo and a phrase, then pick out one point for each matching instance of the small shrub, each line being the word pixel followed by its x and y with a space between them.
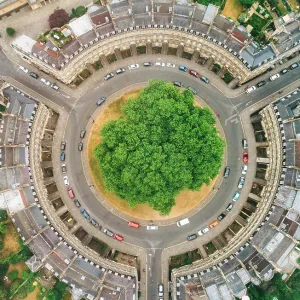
pixel 10 31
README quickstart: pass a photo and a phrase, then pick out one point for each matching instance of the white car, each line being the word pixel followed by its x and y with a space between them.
pixel 241 182
pixel 54 86
pixel 66 180
pixel 244 169
pixel 159 64
pixel 274 77
pixel 170 65
pixel 251 89
pixel 45 81
pixel 152 227
pixel 203 231
pixel 23 69
pixel 132 67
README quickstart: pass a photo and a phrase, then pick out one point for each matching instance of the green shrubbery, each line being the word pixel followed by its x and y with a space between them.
pixel 10 31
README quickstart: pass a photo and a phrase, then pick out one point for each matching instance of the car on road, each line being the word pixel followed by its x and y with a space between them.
pixel 221 217
pixel 204 79
pixel 274 77
pixel 108 232
pixel 148 64
pixel 109 76
pixel 45 81
pixel 152 227
pixel 63 156
pixel 63 168
pixel 77 203
pixel 192 237
pixel 71 193
pixel 226 172
pixel 203 231
pixel 245 157
pixel 66 180
pixel 183 68
pixel 133 224
pixel 159 64
pixel 177 83
pixel 54 86
pixel 85 213
pixel 133 67
pixel 120 71
pixel 235 196
pixel 194 73
pixel 294 66
pixel 261 83
pixel 284 71
pixel 244 169
pixel 25 70
pixel 100 101
pixel 94 223
pixel 183 222
pixel 170 65
pixel 82 133
pixel 251 89
pixel 241 182
pixel 192 90
pixel 33 75
pixel 213 224
pixel 63 145
pixel 118 237
pixel 229 207
pixel 160 290
pixel 244 144
pixel 80 146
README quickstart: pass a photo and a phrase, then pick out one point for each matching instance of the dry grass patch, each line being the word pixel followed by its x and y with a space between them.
pixel 11 241
pixel 232 9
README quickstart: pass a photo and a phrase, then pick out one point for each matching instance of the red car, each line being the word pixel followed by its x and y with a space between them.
pixel 71 193
pixel 194 73
pixel 245 157
pixel 118 237
pixel 133 224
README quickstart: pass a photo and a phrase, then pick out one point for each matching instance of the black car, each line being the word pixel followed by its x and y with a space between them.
pixel 177 83
pixel 221 217
pixel 284 71
pixel 33 75
pixel 294 66
pixel 226 172
pixel 62 156
pixel 261 83
pixel 77 203
pixel 100 101
pixel 192 237
pixel 204 79
pixel 80 146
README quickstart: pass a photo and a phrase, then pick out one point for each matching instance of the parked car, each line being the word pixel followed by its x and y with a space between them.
pixel 120 71
pixel 100 101
pixel 177 83
pixel 192 90
pixel 94 223
pixel 80 146
pixel 63 168
pixel 152 227
pixel 133 224
pixel 235 196
pixel 213 224
pixel 244 144
pixel 204 79
pixel 226 172
pixel 82 133
pixel 148 64
pixel 183 68
pixel 118 237
pixel 194 73
pixel 77 203
pixel 229 207
pixel 221 217
pixel 63 145
pixel 160 64
pixel 294 66
pixel 62 156
pixel 170 65
pixel 33 75
pixel 160 290
pixel 85 213
pixel 25 70
pixel 203 231
pixel 251 89
pixel 274 77
pixel 284 71
pixel 261 83
pixel 45 81
pixel 241 182
pixel 244 169
pixel 109 76
pixel 66 180
pixel 108 232
pixel 134 66
pixel 54 86
pixel 245 157
pixel 71 193
pixel 192 237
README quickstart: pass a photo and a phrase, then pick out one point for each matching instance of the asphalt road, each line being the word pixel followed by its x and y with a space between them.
pixel 83 108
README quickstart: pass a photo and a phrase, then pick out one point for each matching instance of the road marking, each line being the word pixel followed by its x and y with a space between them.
pixel 232 119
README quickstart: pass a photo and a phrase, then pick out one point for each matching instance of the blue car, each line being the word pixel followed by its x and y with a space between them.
pixel 85 214
pixel 183 68
pixel 62 156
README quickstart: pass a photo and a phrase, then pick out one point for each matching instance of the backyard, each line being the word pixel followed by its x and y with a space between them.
pixel 232 9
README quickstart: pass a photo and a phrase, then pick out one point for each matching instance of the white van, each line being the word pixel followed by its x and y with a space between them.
pixel 183 222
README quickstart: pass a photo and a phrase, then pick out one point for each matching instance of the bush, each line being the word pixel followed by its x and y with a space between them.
pixel 247 3
pixel 10 31
pixel 58 18
pixel 78 12
pixel 3 269
pixel 3 215
pixel 13 275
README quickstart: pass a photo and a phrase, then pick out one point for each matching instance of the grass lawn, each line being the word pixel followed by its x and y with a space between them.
pixel 232 9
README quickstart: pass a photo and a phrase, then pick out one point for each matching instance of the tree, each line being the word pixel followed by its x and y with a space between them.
pixel 3 293
pixel 242 17
pixel 3 215
pixel 3 269
pixel 13 275
pixel 58 18
pixel 3 228
pixel 80 11
pixel 10 31
pixel 27 274
pixel 161 145
pixel 15 286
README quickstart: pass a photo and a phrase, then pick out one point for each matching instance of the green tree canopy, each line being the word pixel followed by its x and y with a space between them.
pixel 160 145
pixel 13 275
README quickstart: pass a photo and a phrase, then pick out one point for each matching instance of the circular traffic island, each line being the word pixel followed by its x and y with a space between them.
pixel 154 154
